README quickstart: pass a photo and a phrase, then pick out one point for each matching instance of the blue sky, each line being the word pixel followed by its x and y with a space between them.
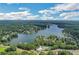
pixel 4 7
pixel 39 11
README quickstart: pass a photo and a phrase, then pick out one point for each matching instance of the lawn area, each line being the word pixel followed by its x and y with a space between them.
pixel 19 50
pixel 2 49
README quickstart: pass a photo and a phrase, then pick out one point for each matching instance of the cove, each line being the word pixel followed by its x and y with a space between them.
pixel 52 30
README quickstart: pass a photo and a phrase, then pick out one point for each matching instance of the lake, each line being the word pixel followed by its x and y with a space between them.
pixel 52 30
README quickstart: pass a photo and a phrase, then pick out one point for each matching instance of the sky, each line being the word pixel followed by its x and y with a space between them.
pixel 39 11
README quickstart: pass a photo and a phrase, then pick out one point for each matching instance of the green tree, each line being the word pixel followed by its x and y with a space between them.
pixel 51 52
pixel 64 53
pixel 27 46
pixel 11 48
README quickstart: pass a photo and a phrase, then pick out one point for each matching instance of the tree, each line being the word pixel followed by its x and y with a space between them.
pixel 40 40
pixel 51 53
pixel 24 53
pixel 26 46
pixel 54 47
pixel 3 53
pixel 43 53
pixel 11 48
pixel 52 37
pixel 12 53
pixel 71 47
pixel 28 53
pixel 64 53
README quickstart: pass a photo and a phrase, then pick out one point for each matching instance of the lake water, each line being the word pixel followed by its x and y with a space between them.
pixel 52 30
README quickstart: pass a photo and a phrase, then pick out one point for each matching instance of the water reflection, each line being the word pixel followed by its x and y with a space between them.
pixel 52 30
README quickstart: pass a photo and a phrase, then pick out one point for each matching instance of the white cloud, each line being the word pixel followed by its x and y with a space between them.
pixel 51 13
pixel 32 17
pixel 24 15
pixel 24 8
pixel 61 7
pixel 44 17
pixel 45 11
pixel 69 15
pixel 47 14
pixel 72 14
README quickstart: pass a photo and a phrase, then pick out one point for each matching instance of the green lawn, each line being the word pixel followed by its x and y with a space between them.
pixel 2 49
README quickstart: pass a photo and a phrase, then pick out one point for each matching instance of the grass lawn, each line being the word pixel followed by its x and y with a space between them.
pixel 19 50
pixel 2 49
